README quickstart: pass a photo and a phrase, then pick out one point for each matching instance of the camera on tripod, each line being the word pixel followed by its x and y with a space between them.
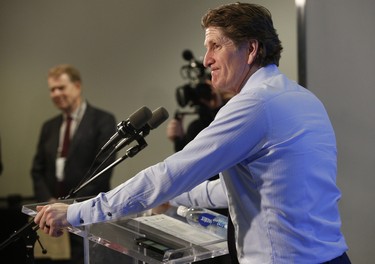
pixel 197 89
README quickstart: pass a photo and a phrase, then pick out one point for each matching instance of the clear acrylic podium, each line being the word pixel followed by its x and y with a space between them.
pixel 144 238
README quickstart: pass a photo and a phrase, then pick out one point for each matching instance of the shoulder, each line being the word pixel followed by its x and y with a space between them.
pixel 51 125
pixel 99 118
pixel 99 112
pixel 56 120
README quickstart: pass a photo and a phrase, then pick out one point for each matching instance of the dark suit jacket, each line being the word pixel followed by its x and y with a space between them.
pixel 94 130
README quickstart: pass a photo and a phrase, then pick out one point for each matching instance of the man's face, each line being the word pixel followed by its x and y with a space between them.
pixel 64 93
pixel 228 63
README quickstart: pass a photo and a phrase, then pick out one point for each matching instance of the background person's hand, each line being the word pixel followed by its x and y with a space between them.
pixel 175 129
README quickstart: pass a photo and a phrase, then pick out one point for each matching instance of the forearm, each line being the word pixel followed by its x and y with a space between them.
pixel 209 194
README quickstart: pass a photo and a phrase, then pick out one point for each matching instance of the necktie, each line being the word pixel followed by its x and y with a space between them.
pixel 66 140
pixel 60 188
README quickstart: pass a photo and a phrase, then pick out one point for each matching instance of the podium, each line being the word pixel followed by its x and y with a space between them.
pixel 144 238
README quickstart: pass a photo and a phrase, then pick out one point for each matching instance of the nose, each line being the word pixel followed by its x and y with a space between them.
pixel 208 60
pixel 54 92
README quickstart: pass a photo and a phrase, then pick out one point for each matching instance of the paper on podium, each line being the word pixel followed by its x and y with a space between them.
pixel 183 230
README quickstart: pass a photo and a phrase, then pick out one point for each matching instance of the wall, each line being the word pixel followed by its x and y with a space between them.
pixel 129 54
pixel 340 70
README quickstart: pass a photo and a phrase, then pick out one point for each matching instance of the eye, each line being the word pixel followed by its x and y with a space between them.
pixel 213 46
pixel 61 88
pixel 216 46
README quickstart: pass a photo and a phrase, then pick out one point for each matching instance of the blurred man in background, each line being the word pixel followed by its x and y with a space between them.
pixel 68 145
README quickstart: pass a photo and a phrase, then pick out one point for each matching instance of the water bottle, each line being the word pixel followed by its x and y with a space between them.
pixel 205 219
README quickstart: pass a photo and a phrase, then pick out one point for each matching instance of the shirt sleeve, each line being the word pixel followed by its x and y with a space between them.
pixel 222 144
pixel 208 194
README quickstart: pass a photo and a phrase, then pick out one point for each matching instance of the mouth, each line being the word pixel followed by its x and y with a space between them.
pixel 59 102
pixel 214 72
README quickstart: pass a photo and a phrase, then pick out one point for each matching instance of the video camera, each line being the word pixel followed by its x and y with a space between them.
pixel 197 88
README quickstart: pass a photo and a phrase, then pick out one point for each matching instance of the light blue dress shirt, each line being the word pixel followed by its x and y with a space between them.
pixel 276 149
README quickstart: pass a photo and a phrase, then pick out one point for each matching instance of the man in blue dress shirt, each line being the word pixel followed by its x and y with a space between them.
pixel 272 143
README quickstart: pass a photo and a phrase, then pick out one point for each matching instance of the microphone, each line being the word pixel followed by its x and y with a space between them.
pixel 187 55
pixel 129 128
pixel 195 69
pixel 159 115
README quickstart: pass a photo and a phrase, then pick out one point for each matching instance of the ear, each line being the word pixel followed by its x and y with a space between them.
pixel 253 46
pixel 78 85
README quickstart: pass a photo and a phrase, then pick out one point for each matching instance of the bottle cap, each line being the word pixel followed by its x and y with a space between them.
pixel 182 210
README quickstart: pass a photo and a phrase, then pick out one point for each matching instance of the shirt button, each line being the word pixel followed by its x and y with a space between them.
pixel 81 221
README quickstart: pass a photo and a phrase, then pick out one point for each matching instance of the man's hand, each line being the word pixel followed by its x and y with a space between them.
pixel 52 218
pixel 161 208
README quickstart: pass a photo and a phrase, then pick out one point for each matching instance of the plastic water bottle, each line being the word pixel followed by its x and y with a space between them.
pixel 205 219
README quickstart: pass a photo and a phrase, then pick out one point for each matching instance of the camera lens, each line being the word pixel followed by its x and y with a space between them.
pixel 184 95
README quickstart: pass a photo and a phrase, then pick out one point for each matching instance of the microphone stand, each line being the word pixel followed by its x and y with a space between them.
pixel 28 231
pixel 128 154
pixel 29 235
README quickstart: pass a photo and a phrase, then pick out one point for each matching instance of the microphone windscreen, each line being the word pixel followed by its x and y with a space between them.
pixel 187 55
pixel 158 116
pixel 140 117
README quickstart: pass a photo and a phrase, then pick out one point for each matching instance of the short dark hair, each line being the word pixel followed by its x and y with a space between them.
pixel 71 71
pixel 242 22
